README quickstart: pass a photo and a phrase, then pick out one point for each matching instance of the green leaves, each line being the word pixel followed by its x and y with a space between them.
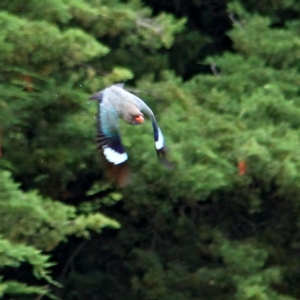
pixel 71 46
pixel 40 223
pixel 204 230
pixel 271 44
pixel 15 254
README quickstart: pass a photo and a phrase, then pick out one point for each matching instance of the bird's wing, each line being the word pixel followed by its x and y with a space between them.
pixel 109 142
pixel 160 145
pixel 108 137
pixel 158 136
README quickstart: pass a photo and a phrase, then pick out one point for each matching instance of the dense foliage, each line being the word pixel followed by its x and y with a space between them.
pixel 223 79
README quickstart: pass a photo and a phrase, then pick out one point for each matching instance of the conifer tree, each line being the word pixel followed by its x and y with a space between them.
pixel 53 55
pixel 224 223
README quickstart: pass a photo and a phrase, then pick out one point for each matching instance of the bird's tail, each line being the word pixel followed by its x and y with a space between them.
pixel 117 174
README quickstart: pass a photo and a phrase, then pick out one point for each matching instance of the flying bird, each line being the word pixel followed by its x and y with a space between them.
pixel 116 103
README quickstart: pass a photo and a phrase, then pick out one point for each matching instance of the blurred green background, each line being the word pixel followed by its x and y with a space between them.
pixel 223 80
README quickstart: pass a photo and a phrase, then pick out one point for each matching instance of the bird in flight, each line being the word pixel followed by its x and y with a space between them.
pixel 113 103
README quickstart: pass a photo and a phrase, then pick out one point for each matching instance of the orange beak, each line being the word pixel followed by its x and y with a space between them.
pixel 139 119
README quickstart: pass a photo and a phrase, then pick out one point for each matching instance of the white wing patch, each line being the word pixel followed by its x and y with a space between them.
pixel 160 142
pixel 113 156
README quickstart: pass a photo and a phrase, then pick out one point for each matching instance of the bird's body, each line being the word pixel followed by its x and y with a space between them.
pixel 115 103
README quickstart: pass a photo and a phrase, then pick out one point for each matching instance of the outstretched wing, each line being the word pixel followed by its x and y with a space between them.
pixel 158 136
pixel 160 145
pixel 109 141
